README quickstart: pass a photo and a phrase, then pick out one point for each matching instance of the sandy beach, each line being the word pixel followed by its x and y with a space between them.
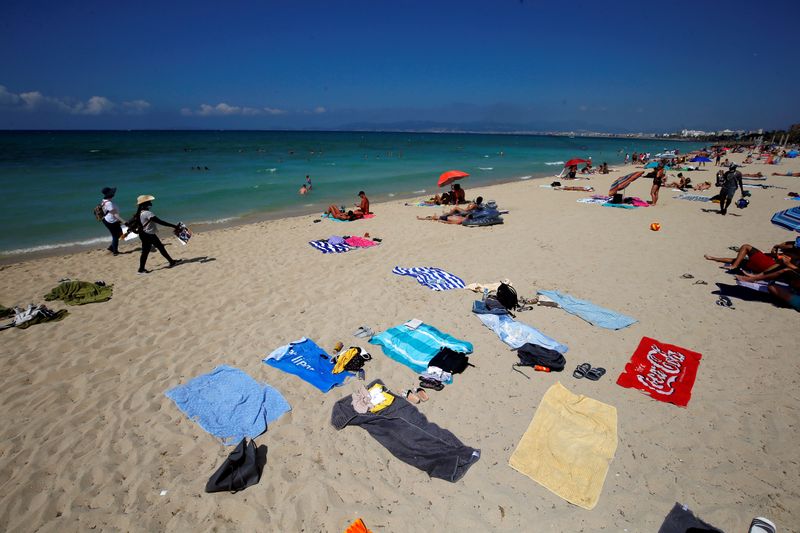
pixel 90 441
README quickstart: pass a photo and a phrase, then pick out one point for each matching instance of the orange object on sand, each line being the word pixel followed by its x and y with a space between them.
pixel 540 368
pixel 357 527
pixel 655 226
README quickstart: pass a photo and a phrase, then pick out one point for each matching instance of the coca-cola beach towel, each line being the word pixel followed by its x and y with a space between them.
pixel 663 371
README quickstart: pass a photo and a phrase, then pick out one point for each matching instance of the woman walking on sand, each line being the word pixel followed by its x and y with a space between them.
pixel 111 219
pixel 148 233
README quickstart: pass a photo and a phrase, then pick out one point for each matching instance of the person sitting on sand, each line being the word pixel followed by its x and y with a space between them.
pixel 335 212
pixel 572 172
pixel 457 214
pixel 756 261
pixel 458 195
pixel 682 182
pixel 362 208
pixel 444 199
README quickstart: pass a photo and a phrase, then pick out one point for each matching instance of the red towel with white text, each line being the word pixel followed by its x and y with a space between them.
pixel 663 371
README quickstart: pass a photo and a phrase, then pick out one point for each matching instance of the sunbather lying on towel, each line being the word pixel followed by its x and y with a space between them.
pixel 788 173
pixel 790 295
pixel 757 261
pixel 702 186
pixel 457 214
pixel 335 212
pixel 442 199
pixel 582 189
pixel 753 175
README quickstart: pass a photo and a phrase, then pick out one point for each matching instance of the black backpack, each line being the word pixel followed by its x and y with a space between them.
pixel 450 361
pixel 240 470
pixel 507 296
pixel 135 224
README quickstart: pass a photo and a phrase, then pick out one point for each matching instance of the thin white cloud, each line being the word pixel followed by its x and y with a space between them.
pixel 223 109
pixel 319 110
pixel 96 105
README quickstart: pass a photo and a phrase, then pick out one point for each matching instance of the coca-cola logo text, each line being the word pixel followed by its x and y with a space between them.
pixel 665 367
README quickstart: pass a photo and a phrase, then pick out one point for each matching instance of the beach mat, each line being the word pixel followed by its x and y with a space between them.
pixel 434 278
pixel 591 313
pixel 326 216
pixel 329 248
pixel 229 404
pixel 416 347
pixel 664 372
pixel 568 446
pixel 693 197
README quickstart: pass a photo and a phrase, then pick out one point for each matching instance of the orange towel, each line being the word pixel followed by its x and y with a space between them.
pixel 357 527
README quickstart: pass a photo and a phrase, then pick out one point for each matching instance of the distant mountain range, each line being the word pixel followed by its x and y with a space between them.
pixel 477 127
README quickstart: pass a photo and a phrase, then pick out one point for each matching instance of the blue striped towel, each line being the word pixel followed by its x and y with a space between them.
pixel 327 248
pixel 416 347
pixel 434 278
pixel 693 197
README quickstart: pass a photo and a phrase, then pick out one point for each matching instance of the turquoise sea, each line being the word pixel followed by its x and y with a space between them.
pixel 52 180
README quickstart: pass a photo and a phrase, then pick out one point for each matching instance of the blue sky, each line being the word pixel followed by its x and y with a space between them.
pixel 639 66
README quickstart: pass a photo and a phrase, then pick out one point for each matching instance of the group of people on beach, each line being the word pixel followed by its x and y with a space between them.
pixel 361 209
pixel 144 222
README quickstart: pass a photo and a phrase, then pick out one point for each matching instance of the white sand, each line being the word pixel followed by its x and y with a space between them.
pixel 89 440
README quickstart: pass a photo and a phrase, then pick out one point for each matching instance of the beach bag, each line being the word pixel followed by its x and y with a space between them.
pixel 239 471
pixel 450 361
pixel 507 296
pixel 352 360
pixel 99 212
pixel 135 224
pixel 533 354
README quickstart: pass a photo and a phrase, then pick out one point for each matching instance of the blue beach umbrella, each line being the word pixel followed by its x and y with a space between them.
pixel 791 154
pixel 700 159
pixel 788 219
pixel 654 164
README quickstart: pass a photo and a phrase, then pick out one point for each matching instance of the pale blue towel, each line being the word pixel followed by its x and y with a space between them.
pixel 591 313
pixel 515 334
pixel 229 404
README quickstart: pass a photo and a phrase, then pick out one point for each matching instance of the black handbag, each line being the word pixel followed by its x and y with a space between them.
pixel 239 471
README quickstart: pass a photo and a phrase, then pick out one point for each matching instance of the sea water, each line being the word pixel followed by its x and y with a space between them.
pixel 52 180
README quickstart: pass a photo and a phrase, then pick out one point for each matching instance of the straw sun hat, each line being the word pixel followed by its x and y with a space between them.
pixel 144 198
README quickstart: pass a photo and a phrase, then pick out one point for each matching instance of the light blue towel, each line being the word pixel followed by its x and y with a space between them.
pixel 229 404
pixel 515 334
pixel 416 347
pixel 592 314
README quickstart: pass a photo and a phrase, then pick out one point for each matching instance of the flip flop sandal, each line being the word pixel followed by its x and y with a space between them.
pixel 581 370
pixel 422 395
pixel 595 373
pixel 700 282
pixel 411 397
pixel 430 384
pixel 724 301
pixel 687 276
pixel 363 332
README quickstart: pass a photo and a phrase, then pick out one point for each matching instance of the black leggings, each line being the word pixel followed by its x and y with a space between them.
pixel 149 240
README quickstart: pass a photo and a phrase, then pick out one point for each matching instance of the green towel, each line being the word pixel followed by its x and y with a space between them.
pixel 80 293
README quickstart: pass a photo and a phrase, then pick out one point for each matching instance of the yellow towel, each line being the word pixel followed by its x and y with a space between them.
pixel 568 446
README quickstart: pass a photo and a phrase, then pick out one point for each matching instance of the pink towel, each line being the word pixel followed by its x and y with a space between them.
pixel 359 242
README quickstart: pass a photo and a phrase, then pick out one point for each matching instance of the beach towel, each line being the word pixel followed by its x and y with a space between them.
pixel 416 347
pixel 664 372
pixel 409 436
pixel 334 219
pixel 516 334
pixel 309 362
pixel 693 197
pixel 31 315
pixel 328 248
pixel 568 446
pixel 229 404
pixel 80 292
pixel 593 200
pixel 434 278
pixel 621 206
pixel 360 242
pixel 597 316
pixel 681 520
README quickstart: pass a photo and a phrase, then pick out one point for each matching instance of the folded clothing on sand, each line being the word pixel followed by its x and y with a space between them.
pixel 516 334
pixel 309 362
pixel 568 446
pixel 80 292
pixel 434 278
pixel 408 435
pixel 229 404
pixel 681 520
pixel 32 315
pixel 591 313
pixel 416 347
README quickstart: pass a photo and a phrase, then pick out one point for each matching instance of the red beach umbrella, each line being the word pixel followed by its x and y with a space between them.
pixel 575 162
pixel 450 176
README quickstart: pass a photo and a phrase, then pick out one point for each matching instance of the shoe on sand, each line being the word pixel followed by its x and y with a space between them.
pixel 762 525
pixel 423 396
pixel 411 396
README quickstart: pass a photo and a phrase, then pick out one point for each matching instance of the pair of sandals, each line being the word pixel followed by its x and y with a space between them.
pixel 432 384
pixel 724 301
pixel 698 282
pixel 416 396
pixel 364 332
pixel 585 370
